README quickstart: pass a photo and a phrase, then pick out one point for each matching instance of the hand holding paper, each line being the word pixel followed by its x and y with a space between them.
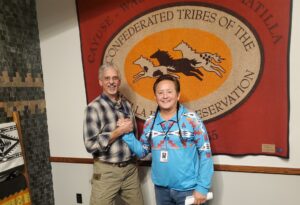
pixel 190 199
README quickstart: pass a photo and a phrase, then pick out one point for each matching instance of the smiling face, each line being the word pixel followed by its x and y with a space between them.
pixel 166 96
pixel 110 82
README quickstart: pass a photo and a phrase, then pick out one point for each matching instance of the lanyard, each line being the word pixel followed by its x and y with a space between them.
pixel 153 123
pixel 166 133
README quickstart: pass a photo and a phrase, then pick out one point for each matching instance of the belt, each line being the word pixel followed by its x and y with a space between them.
pixel 117 164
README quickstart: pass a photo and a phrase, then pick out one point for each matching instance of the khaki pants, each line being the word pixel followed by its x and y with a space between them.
pixel 110 180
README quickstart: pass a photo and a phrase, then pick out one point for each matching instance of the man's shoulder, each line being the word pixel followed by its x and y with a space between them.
pixel 95 102
pixel 188 113
pixel 150 117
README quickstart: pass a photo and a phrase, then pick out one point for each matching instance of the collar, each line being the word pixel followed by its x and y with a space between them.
pixel 160 120
pixel 112 103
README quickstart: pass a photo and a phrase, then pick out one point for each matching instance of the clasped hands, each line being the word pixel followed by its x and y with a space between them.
pixel 125 125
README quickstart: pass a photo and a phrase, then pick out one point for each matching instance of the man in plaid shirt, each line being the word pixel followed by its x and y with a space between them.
pixel 114 170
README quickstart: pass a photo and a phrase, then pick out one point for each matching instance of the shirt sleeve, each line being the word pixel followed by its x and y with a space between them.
pixel 134 145
pixel 206 166
pixel 94 139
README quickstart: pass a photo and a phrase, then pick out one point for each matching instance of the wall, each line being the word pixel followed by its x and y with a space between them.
pixel 65 97
pixel 22 90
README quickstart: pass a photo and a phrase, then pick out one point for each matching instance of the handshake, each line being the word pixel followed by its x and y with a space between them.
pixel 125 125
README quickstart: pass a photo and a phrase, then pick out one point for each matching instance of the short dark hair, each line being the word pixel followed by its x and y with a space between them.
pixel 170 78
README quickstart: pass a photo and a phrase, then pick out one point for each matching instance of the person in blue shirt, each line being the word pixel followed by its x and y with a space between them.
pixel 182 163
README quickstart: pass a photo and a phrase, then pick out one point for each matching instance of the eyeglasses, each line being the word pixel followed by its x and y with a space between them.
pixel 108 79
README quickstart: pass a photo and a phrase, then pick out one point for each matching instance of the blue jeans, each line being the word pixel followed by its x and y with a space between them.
pixel 166 196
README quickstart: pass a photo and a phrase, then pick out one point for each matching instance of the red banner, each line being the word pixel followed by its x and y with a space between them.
pixel 231 58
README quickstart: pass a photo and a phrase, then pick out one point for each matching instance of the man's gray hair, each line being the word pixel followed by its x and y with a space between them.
pixel 105 66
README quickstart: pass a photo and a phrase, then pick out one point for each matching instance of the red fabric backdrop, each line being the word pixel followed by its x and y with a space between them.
pixel 258 125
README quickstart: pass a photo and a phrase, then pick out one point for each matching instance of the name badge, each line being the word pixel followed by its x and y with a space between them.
pixel 163 156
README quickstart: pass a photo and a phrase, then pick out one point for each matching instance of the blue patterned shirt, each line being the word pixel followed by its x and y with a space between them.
pixel 189 164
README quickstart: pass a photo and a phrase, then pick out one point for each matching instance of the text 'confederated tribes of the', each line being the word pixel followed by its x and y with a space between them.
pixel 154 19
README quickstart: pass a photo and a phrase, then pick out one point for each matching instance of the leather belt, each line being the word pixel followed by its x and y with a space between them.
pixel 117 164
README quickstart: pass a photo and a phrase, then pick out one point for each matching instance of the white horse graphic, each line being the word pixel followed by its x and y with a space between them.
pixel 204 59
pixel 149 70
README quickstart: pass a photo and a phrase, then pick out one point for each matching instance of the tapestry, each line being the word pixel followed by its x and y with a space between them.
pixel 11 158
pixel 231 57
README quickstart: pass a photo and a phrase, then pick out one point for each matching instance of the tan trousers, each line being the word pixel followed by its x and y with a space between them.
pixel 109 181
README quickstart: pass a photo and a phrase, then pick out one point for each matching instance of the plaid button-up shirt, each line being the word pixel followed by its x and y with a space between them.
pixel 101 116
